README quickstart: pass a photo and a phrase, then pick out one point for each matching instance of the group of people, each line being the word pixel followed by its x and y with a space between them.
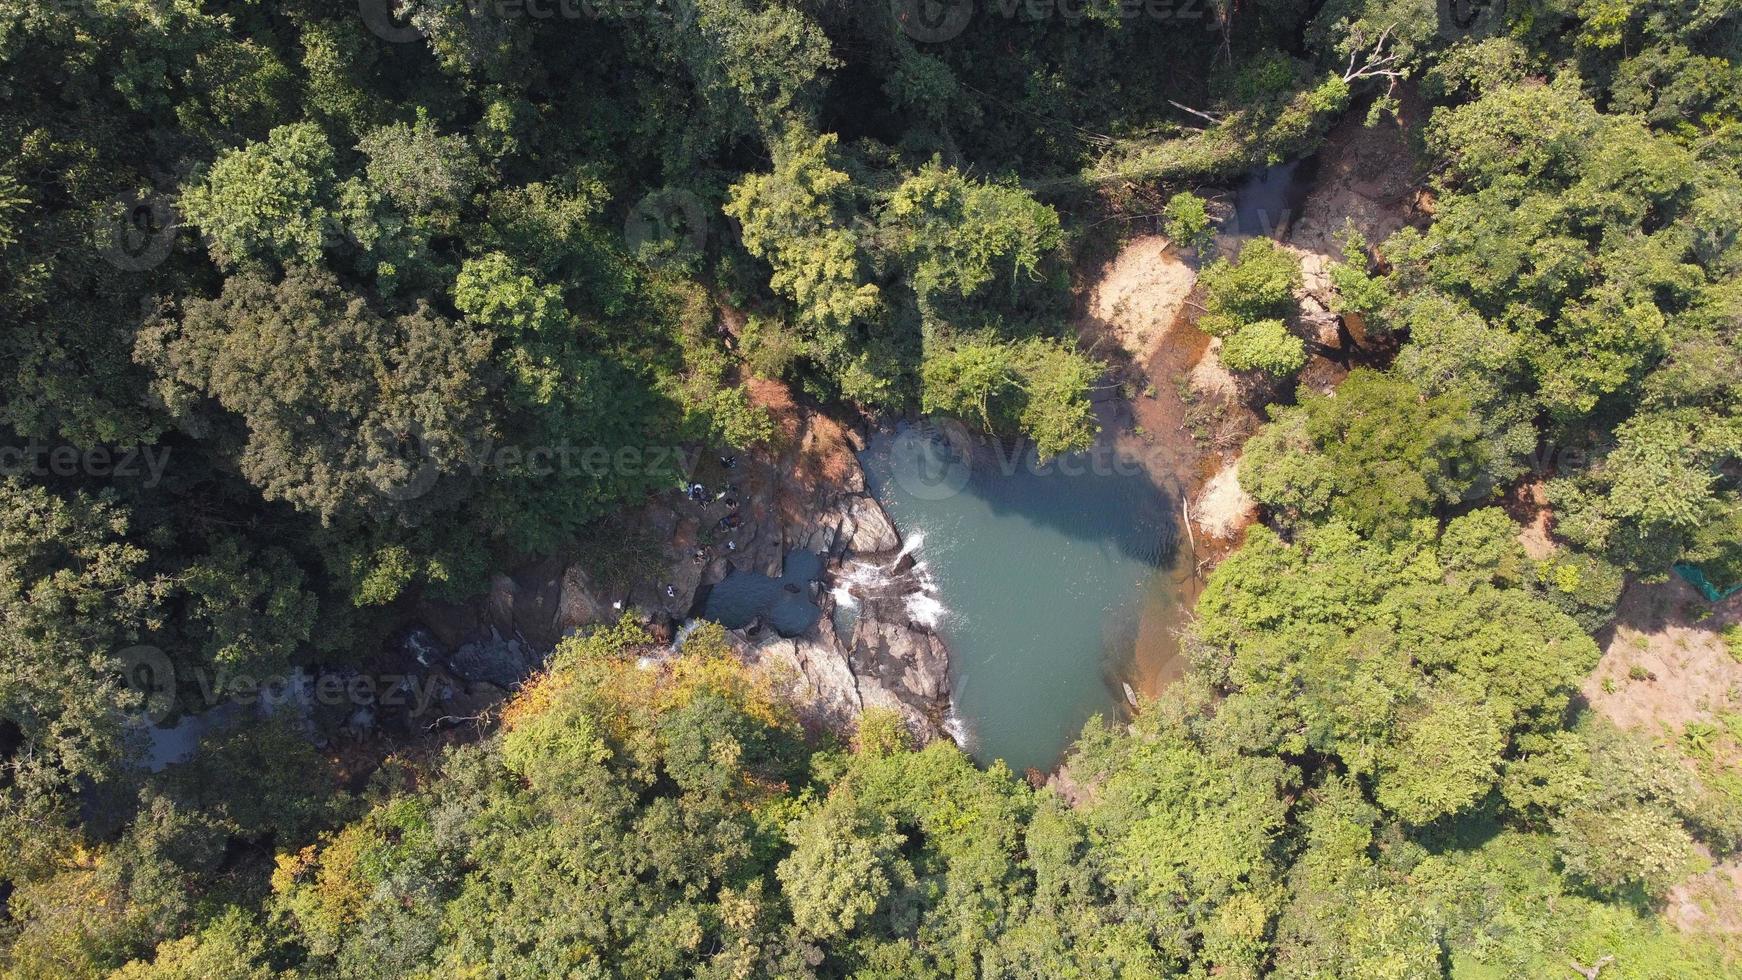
pixel 698 493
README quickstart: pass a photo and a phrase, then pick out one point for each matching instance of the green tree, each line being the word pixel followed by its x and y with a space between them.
pixel 1258 286
pixel 330 405
pixel 1378 454
pixel 1187 223
pixel 796 219
pixel 271 201
pixel 958 235
pixel 421 171
pixel 1037 387
pixel 1244 304
pixel 78 600
pixel 1264 345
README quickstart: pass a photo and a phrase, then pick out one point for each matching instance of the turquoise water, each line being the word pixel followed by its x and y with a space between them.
pixel 1053 583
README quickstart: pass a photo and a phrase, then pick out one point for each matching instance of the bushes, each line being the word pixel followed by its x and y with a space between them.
pixel 1187 223
pixel 1244 303
pixel 1378 455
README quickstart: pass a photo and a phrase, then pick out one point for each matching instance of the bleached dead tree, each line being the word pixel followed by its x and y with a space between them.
pixel 1376 62
pixel 1590 972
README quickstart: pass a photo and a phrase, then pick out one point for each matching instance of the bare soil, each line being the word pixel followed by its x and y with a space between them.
pixel 1223 509
pixel 1665 660
pixel 1138 296
pixel 1665 666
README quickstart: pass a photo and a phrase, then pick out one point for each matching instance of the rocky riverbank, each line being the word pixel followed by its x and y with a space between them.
pixel 806 493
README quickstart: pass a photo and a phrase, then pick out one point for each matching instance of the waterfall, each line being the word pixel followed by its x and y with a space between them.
pixel 684 630
pixel 902 577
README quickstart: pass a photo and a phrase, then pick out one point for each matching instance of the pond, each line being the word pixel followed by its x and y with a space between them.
pixel 1269 199
pixel 742 598
pixel 1054 583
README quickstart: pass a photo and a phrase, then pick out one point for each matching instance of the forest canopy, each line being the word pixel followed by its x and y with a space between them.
pixel 283 281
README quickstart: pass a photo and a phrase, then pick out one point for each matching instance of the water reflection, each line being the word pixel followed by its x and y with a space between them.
pixel 1050 574
pixel 784 603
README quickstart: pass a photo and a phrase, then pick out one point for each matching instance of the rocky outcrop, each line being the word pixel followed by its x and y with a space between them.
pixel 888 661
pixel 810 494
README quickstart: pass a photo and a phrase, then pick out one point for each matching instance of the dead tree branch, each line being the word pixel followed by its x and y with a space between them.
pixel 1208 117
pixel 1376 63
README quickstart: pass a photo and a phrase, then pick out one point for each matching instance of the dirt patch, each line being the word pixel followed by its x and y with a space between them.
pixel 1710 902
pixel 1367 176
pixel 1138 296
pixel 1223 508
pixel 1527 505
pixel 776 398
pixel 1665 662
pixel 1209 378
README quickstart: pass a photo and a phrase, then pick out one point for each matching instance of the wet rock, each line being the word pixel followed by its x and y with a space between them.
pixel 500 662
pixel 812 671
pixel 904 658
pixel 833 689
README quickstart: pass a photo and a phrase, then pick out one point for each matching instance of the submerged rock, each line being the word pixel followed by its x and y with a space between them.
pixel 784 603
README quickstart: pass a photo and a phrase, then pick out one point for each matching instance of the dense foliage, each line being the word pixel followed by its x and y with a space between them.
pixel 302 300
